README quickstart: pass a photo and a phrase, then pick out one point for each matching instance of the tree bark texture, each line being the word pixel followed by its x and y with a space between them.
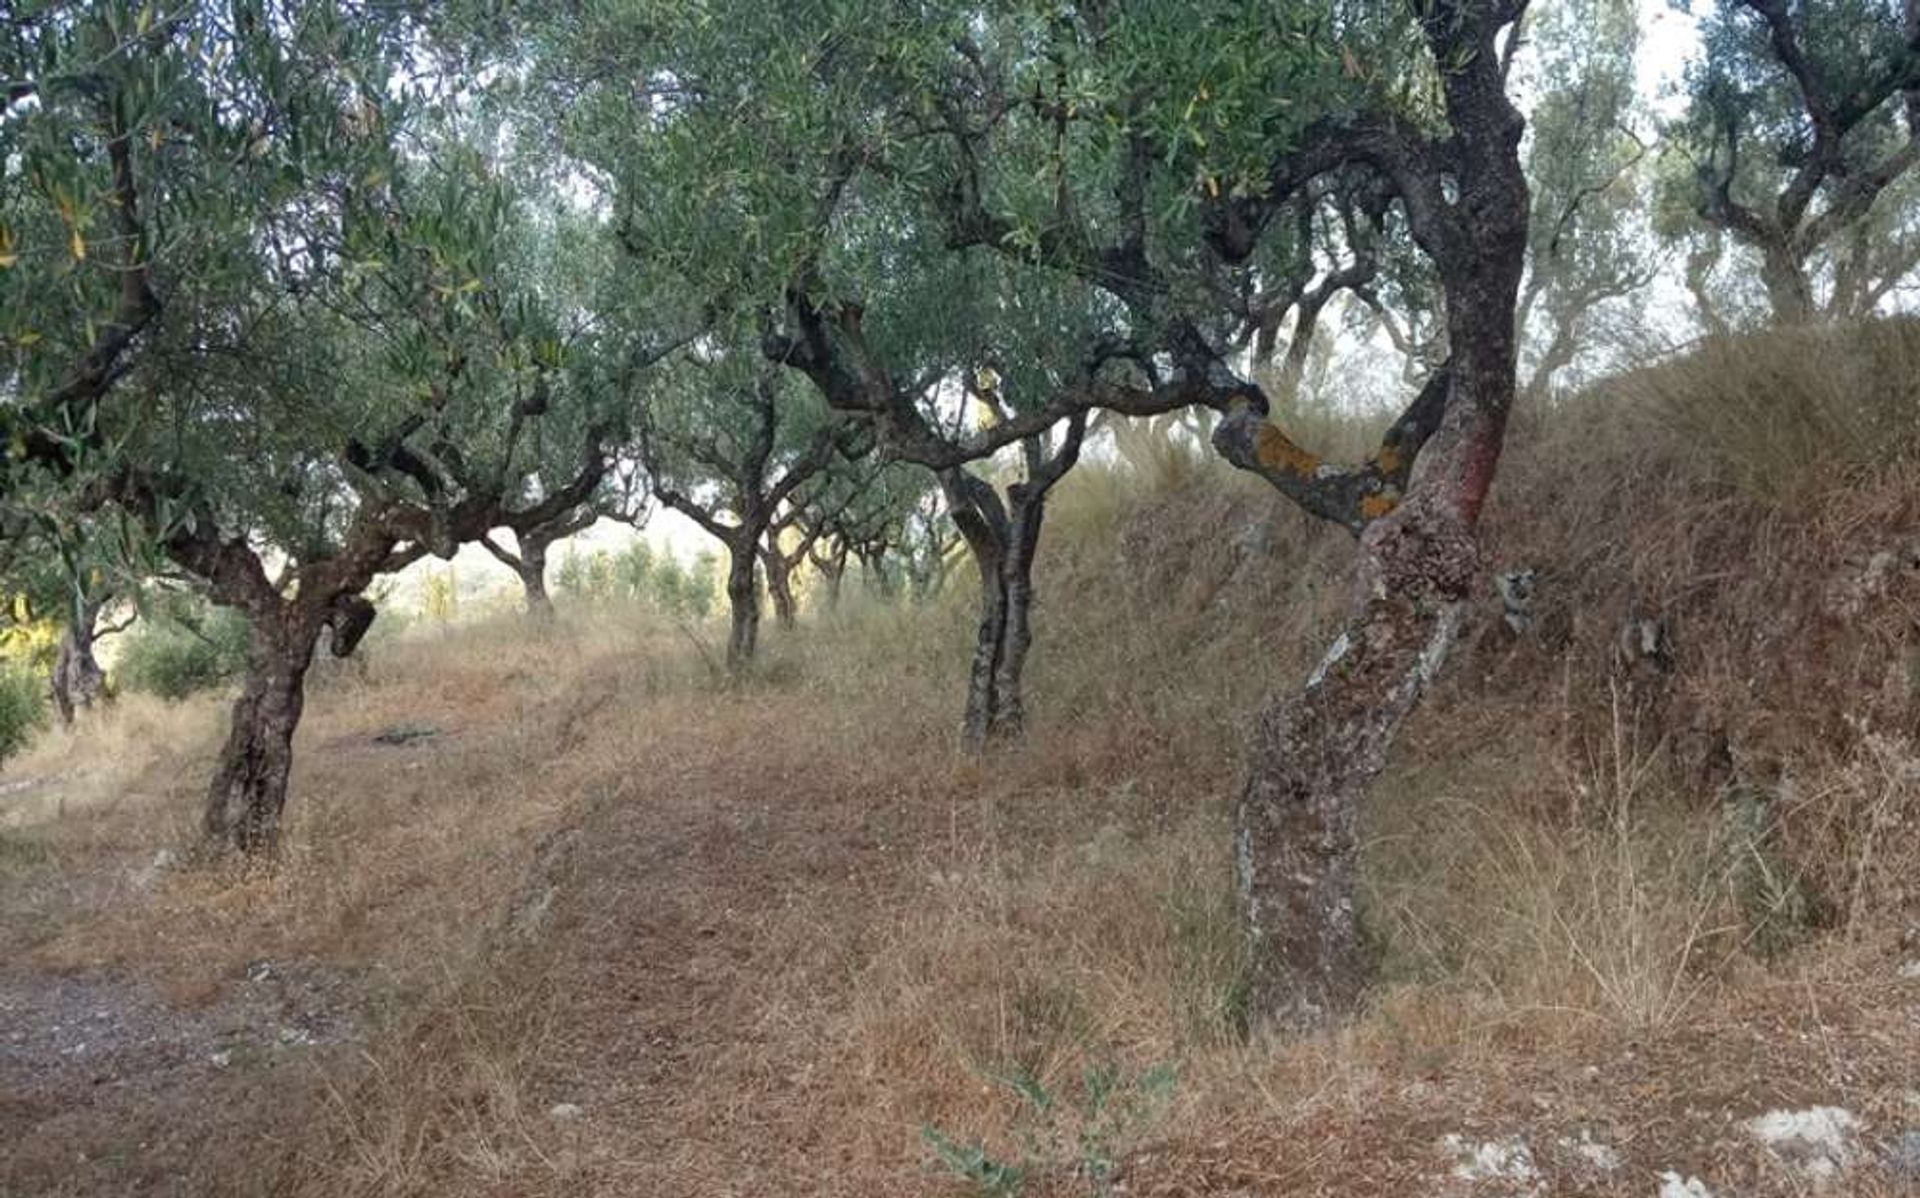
pixel 249 788
pixel 1315 752
pixel 1003 538
pixel 78 681
pixel 743 602
pixel 1789 290
pixel 1312 758
pixel 533 580
pixel 780 587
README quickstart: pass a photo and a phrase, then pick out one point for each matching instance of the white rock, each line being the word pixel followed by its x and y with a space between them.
pixel 1672 1185
pixel 1911 970
pixel 1508 1160
pixel 1821 1142
pixel 1600 1156
pixel 563 1111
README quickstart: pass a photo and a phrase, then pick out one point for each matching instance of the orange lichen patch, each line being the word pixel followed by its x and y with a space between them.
pixel 1390 459
pixel 1276 451
pixel 1375 506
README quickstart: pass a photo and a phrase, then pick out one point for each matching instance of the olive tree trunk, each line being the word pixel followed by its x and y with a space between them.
pixel 983 676
pixel 249 789
pixel 1789 290
pixel 533 581
pixel 1312 757
pixel 529 563
pixel 1003 550
pixel 743 602
pixel 832 568
pixel 780 586
pixel 78 681
pixel 1003 538
pixel 873 572
pixel 1315 752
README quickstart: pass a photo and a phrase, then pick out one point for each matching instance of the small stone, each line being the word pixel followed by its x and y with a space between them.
pixel 1507 1161
pixel 562 1112
pixel 1820 1141
pixel 1672 1185
pixel 222 1059
pixel 1911 971
pixel 1597 1156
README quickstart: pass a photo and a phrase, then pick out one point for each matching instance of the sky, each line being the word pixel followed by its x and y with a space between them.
pixel 1668 38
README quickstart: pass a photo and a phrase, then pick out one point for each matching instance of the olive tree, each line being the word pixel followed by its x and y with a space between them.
pixel 1586 246
pixel 68 566
pixel 1153 162
pixel 1803 121
pixel 382 409
pixel 728 439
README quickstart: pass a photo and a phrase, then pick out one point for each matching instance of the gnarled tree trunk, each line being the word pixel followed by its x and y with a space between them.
pixel 986 543
pixel 529 563
pixel 533 581
pixel 1315 752
pixel 78 681
pixel 1789 290
pixel 743 602
pixel 780 586
pixel 1003 539
pixel 873 571
pixel 1027 506
pixel 249 789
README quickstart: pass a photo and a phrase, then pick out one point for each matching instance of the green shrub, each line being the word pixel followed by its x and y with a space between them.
pixel 23 707
pixel 1083 1129
pixel 176 658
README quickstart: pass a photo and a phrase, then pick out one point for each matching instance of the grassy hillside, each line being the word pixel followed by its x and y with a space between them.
pixel 559 914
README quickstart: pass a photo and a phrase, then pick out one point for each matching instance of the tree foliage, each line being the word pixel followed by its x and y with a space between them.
pixel 1802 116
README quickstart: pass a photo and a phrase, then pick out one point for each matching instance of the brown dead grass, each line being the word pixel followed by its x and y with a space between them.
pixel 764 938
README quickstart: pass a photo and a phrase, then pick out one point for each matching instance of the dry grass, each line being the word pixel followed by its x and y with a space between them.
pixel 763 937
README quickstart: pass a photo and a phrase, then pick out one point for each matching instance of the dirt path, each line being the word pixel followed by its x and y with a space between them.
pixel 685 975
pixel 113 1087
